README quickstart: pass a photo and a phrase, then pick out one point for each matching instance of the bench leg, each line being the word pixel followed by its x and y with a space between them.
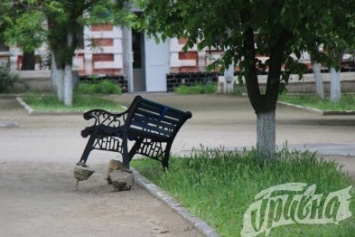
pixel 134 149
pixel 165 161
pixel 127 156
pixel 87 151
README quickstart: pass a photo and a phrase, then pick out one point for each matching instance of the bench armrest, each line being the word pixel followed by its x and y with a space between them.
pixel 103 117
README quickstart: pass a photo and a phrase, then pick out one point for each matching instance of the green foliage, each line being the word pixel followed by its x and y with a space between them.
pixel 208 88
pixel 218 186
pixel 8 80
pixel 112 12
pixel 80 103
pixel 25 31
pixel 24 25
pixel 347 101
pixel 99 87
pixel 274 29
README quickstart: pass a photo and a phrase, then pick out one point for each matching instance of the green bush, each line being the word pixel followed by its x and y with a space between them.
pixel 8 79
pixel 239 90
pixel 208 88
pixel 99 87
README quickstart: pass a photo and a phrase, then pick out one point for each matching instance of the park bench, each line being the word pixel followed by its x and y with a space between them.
pixel 150 126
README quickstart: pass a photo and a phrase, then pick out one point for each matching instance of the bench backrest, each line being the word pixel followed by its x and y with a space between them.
pixel 152 117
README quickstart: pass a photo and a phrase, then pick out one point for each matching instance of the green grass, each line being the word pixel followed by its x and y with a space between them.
pixel 80 103
pixel 209 88
pixel 347 102
pixel 99 87
pixel 219 186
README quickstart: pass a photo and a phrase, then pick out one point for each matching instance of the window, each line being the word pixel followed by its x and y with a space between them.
pixel 3 47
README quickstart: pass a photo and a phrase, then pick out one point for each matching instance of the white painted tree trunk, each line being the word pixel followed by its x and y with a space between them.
pixel 57 78
pixel 335 85
pixel 68 76
pixel 228 86
pixel 59 75
pixel 128 57
pixel 68 85
pixel 266 134
pixel 318 79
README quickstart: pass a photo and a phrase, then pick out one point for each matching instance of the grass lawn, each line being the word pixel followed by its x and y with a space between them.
pixel 347 101
pixel 219 186
pixel 80 103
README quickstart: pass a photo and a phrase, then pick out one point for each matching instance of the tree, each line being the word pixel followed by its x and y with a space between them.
pixel 19 24
pixel 339 20
pixel 246 29
pixel 64 24
pixel 339 39
pixel 65 20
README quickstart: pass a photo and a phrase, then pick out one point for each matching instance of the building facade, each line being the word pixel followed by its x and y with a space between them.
pixel 130 58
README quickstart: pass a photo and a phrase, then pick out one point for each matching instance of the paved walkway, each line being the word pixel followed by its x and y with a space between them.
pixel 31 147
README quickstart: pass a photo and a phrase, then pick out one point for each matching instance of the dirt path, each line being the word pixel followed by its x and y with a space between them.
pixel 37 188
pixel 39 199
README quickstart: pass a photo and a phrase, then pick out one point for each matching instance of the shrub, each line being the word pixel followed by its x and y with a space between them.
pixel 208 88
pixel 8 79
pixel 99 87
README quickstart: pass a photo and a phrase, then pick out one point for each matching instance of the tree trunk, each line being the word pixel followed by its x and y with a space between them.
pixel 266 134
pixel 57 78
pixel 28 61
pixel 335 86
pixel 68 85
pixel 60 84
pixel 318 79
pixel 228 86
pixel 68 76
pixel 264 104
pixel 53 72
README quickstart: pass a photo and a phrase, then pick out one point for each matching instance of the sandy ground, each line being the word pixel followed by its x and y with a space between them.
pixel 38 194
pixel 37 157
pixel 39 199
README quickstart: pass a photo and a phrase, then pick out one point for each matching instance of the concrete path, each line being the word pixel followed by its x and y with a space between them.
pixel 37 154
pixel 230 122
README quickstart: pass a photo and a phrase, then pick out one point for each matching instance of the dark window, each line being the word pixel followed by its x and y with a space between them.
pixel 137 45
pixel 80 37
pixel 3 47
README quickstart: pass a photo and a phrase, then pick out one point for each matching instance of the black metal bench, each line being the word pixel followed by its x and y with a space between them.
pixel 152 127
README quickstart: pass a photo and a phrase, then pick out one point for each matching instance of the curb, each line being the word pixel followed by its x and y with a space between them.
pixel 6 124
pixel 31 111
pixel 318 111
pixel 157 192
pixel 24 105
pixel 37 112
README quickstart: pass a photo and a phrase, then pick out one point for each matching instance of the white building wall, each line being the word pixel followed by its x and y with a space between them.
pixel 95 59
